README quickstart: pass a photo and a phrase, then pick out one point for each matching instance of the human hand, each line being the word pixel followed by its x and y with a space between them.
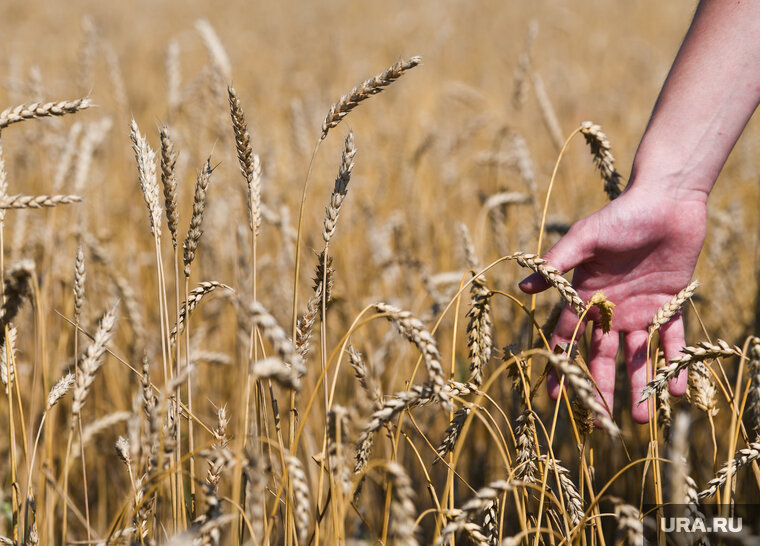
pixel 639 250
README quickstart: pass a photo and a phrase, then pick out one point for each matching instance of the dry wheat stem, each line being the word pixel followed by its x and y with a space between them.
pixel 363 91
pixel 39 110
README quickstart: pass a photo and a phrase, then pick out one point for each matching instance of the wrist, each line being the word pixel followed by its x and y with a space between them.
pixel 663 174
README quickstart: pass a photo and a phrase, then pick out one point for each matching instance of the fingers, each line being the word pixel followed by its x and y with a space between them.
pixel 635 359
pixel 602 355
pixel 570 251
pixel 563 333
pixel 672 341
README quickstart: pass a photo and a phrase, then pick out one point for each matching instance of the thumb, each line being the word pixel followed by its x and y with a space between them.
pixel 571 250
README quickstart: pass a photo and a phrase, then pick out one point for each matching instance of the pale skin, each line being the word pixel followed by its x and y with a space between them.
pixel 642 248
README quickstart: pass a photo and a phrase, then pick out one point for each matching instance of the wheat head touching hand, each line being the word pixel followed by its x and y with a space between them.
pixel 641 249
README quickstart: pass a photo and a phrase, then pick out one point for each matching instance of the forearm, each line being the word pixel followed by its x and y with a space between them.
pixel 709 95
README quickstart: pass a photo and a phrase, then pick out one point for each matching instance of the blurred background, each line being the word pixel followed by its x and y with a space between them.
pixel 501 85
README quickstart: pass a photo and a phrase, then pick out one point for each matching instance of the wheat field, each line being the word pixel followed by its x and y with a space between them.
pixel 260 268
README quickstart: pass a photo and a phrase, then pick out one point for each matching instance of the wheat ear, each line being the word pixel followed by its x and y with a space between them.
pixel 603 159
pixel 668 311
pixel 39 110
pixel 363 91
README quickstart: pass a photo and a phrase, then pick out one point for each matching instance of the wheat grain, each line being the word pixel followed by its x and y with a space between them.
pixel 525 460
pixel 402 509
pixel 363 91
pixel 194 298
pixel 582 387
pixel 275 368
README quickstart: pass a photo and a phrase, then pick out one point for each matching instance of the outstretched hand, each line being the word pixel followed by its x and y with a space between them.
pixel 639 250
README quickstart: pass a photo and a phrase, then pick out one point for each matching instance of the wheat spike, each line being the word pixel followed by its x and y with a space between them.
pixel 582 387
pixel 413 329
pixel 37 201
pixel 194 232
pixel 340 189
pixel 553 277
pixel 702 351
pixel 60 389
pixel 250 165
pixel 365 90
pixel 449 441
pixel 601 150
pixel 169 181
pixel 743 458
pixel 300 489
pixel 146 169
pixel 92 359
pixel 39 110
pixel 668 311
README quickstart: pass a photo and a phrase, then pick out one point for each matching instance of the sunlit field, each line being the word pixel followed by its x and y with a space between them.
pixel 260 267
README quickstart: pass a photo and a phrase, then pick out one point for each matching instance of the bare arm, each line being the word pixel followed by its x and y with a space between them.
pixel 641 249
